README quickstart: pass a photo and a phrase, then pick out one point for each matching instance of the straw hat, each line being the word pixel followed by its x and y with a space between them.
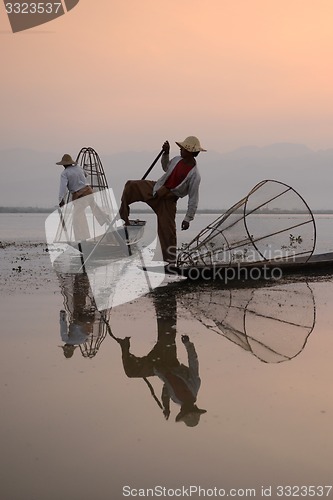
pixel 68 350
pixel 191 144
pixel 66 160
pixel 190 417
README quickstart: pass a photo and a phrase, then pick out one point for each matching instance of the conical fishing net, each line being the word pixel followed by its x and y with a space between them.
pixel 273 323
pixel 91 163
pixel 272 223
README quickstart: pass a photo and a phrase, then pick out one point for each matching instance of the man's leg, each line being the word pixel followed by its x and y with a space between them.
pixel 135 191
pixel 135 366
pixel 166 228
pixel 80 224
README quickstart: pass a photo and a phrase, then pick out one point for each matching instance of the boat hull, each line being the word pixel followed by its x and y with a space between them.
pixel 112 243
pixel 256 271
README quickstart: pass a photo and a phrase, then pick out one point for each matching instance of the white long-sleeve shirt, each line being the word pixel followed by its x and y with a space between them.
pixel 73 179
pixel 189 375
pixel 74 335
pixel 189 186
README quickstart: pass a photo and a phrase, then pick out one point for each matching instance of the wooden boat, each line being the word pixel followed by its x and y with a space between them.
pixel 236 247
pixel 317 264
pixel 116 242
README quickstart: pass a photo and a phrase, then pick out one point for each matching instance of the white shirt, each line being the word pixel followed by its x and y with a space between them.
pixel 74 335
pixel 189 186
pixel 73 179
pixel 189 375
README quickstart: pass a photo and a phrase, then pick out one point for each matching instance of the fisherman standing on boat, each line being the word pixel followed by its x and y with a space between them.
pixel 181 178
pixel 74 180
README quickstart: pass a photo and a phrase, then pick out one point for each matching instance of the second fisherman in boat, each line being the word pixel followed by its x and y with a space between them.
pixel 73 180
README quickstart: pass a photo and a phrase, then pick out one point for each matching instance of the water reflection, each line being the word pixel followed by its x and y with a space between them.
pixel 81 324
pixel 180 383
pixel 273 323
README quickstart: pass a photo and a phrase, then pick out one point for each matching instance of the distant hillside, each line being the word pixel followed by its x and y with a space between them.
pixel 25 210
pixel 31 178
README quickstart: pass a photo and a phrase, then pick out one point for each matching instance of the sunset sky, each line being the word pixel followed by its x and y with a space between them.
pixel 127 74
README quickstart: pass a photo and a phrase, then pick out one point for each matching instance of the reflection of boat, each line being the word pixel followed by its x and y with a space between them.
pixel 236 246
pixel 273 323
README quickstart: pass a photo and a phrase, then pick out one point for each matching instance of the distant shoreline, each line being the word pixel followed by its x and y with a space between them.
pixel 38 210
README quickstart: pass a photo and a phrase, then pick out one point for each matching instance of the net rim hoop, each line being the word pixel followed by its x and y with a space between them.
pixel 259 185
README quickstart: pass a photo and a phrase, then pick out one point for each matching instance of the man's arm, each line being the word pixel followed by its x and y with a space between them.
pixel 63 187
pixel 192 356
pixel 165 155
pixel 193 200
pixel 166 401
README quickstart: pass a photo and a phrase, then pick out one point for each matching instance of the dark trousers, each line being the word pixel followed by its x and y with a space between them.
pixel 164 206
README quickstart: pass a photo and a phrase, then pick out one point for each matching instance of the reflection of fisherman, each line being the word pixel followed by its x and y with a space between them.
pixel 73 179
pixel 181 383
pixel 82 318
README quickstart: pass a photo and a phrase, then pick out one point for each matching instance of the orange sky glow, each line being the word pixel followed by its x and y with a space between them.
pixel 125 75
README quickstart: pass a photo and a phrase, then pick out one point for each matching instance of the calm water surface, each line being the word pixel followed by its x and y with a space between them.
pixel 31 227
pixel 87 411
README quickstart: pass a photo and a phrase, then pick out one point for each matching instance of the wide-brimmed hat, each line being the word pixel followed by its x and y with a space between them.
pixel 191 144
pixel 66 160
pixel 68 350
pixel 190 417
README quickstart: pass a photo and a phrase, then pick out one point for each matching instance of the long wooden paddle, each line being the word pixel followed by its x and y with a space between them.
pixel 152 165
pixel 122 243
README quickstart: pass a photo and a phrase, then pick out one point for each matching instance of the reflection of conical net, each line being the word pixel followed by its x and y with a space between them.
pixel 95 207
pixel 82 313
pixel 256 230
pixel 273 323
pixel 90 348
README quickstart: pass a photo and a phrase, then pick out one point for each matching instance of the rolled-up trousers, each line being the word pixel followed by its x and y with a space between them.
pixel 83 199
pixel 164 206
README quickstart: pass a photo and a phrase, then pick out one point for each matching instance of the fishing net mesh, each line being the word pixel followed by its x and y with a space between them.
pixel 273 323
pixel 273 222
